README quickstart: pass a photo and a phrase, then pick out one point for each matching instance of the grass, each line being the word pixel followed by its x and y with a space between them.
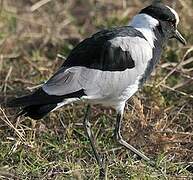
pixel 158 120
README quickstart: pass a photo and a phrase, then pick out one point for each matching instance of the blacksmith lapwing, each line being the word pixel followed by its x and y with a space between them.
pixel 107 68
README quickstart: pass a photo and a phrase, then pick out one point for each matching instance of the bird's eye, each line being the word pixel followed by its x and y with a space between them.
pixel 172 23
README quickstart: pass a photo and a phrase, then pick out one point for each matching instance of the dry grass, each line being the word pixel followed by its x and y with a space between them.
pixel 159 120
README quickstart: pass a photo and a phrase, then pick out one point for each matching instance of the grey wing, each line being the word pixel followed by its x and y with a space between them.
pixel 65 81
pixel 98 84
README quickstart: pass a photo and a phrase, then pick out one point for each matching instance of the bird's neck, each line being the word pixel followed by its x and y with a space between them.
pixel 152 31
pixel 147 26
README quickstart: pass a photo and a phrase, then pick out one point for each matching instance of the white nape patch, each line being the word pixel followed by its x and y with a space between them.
pixel 144 21
pixel 145 24
pixel 175 14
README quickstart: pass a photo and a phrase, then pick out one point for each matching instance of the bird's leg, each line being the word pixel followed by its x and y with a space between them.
pixel 124 143
pixel 89 134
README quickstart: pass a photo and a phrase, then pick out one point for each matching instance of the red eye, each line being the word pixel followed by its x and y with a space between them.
pixel 172 23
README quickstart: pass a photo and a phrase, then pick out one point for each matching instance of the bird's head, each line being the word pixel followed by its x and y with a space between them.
pixel 168 20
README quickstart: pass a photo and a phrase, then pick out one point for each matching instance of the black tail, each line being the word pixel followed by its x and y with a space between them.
pixel 35 105
pixel 39 97
pixel 39 103
pixel 37 111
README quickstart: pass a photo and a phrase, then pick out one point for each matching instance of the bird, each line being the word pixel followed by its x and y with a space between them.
pixel 107 68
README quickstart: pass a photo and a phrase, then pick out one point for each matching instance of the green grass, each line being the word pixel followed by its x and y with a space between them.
pixel 157 121
pixel 48 155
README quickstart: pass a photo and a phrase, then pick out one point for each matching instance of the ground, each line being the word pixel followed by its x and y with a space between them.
pixel 158 120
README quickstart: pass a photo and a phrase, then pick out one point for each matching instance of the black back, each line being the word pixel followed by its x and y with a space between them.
pixel 96 52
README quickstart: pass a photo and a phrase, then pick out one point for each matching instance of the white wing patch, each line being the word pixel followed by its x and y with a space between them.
pixel 139 49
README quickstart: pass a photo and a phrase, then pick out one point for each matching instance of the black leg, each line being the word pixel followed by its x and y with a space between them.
pixel 124 143
pixel 89 134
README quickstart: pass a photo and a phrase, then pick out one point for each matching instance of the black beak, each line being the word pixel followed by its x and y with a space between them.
pixel 179 37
